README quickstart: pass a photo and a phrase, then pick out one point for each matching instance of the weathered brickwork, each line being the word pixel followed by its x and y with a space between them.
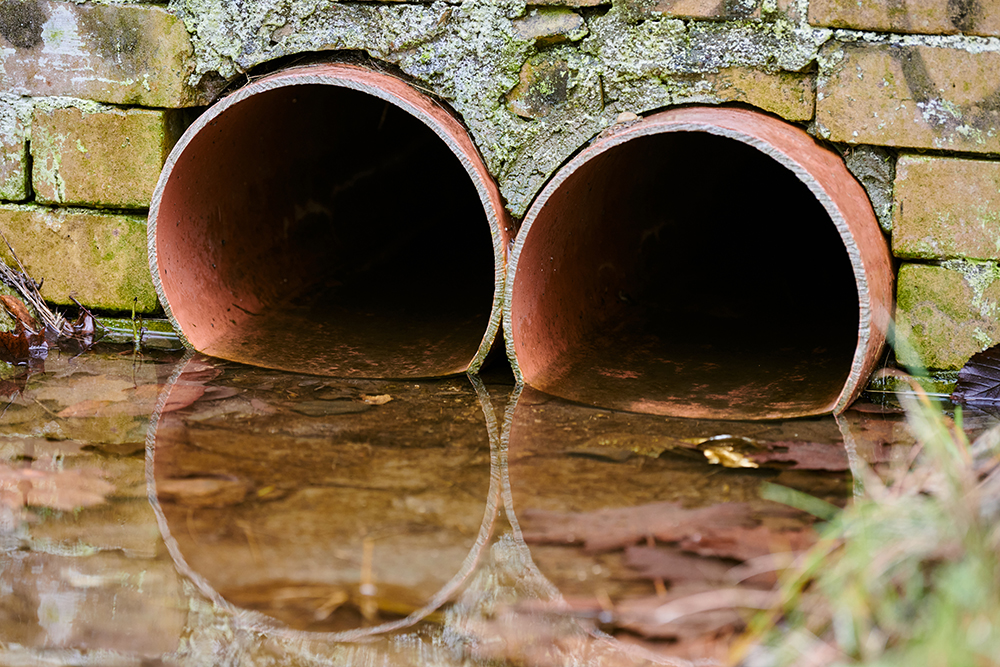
pixel 909 96
pixel 120 54
pixel 946 208
pixel 945 314
pixel 100 156
pixel 907 91
pixel 97 258
pixel 14 124
pixel 699 9
pixel 931 17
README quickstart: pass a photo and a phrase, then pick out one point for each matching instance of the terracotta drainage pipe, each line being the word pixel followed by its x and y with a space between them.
pixel 701 262
pixel 331 220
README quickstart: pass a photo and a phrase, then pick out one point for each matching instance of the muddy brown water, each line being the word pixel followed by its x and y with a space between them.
pixel 175 509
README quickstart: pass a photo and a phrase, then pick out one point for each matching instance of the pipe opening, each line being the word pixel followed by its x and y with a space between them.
pixel 314 227
pixel 684 273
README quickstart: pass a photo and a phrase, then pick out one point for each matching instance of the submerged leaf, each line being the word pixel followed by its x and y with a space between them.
pixel 610 529
pixel 14 345
pixel 44 484
pixel 805 455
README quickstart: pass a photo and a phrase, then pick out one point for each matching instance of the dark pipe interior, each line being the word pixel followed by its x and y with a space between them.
pixel 686 270
pixel 328 231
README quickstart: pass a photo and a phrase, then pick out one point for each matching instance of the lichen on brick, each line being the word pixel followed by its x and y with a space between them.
pixel 15 124
pixel 946 313
pixel 99 155
pixel 472 54
pixel 97 258
pixel 875 168
pixel 979 276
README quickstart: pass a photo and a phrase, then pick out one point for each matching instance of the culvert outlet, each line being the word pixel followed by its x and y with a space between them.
pixel 331 220
pixel 701 262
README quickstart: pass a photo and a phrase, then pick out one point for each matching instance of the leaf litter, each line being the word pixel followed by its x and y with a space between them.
pixel 45 483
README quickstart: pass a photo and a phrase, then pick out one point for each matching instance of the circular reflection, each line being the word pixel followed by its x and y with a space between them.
pixel 626 524
pixel 305 504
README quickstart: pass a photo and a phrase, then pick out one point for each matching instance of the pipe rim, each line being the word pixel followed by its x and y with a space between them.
pixel 858 227
pixel 390 89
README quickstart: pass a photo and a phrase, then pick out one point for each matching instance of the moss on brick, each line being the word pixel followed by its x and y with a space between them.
pixel 946 208
pixel 102 156
pixel 946 313
pixel 120 54
pixel 14 124
pixel 471 54
pixel 97 258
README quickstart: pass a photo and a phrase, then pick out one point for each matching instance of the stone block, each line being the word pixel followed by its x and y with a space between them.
pixel 945 314
pixel 571 3
pixel 101 156
pixel 548 25
pixel 695 9
pixel 931 17
pixel 13 149
pixel 543 86
pixel 875 167
pixel 791 95
pixel 122 54
pixel 98 258
pixel 945 208
pixel 909 96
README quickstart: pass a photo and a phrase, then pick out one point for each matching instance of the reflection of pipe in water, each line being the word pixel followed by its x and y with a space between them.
pixel 618 520
pixel 254 498
pixel 332 220
pixel 700 262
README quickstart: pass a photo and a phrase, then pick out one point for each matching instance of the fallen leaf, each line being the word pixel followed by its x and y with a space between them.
pixel 642 615
pixel 805 455
pixel 690 612
pixel 14 386
pixel 45 484
pixel 609 529
pixel 90 408
pixel 199 372
pixel 217 393
pixel 673 565
pixel 86 387
pixel 202 491
pixel 14 345
pixel 743 543
pixel 979 380
pixel 377 399
pixel 183 394
pixel 16 309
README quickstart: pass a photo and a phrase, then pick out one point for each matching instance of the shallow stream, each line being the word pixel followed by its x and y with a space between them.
pixel 169 508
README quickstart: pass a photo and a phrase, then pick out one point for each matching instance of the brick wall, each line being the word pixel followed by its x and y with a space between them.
pixel 93 96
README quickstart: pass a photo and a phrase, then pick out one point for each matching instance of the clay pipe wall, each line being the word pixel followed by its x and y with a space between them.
pixel 334 220
pixel 700 262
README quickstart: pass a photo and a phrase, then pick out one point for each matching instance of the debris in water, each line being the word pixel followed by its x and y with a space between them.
pixel 380 399
pixel 611 529
pixel 45 484
pixel 728 457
